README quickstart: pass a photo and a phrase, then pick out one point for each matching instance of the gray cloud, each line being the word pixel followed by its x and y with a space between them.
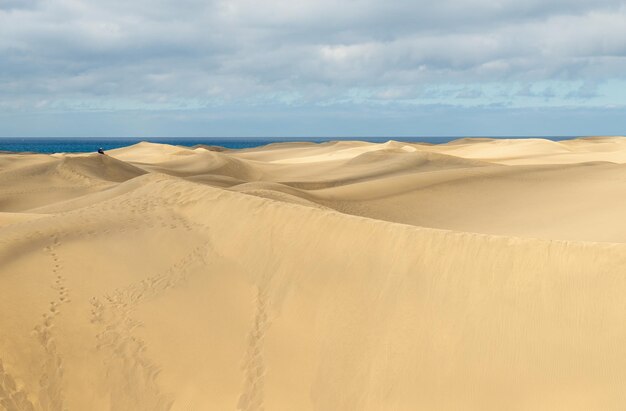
pixel 163 54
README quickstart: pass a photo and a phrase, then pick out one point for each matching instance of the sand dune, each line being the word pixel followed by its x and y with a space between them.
pixel 475 275
pixel 539 151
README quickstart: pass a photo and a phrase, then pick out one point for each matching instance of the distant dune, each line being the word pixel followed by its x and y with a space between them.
pixel 481 274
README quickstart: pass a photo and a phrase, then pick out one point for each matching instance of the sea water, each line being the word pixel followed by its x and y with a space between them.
pixel 91 144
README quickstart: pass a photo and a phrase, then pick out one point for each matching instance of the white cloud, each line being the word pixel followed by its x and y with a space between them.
pixel 74 53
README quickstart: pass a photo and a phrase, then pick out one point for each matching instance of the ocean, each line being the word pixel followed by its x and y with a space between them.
pixel 91 144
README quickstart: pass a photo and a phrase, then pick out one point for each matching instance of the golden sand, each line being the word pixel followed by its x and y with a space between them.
pixel 476 275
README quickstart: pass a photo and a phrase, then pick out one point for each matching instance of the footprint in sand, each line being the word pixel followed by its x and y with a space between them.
pixel 252 396
pixel 50 384
pixel 12 398
pixel 131 375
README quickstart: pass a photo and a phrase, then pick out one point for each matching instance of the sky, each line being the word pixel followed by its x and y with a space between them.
pixel 219 68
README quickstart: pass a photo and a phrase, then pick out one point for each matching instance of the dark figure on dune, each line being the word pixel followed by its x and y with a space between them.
pixel 100 151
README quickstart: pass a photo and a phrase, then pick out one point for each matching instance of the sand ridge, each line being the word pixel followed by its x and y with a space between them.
pixel 476 275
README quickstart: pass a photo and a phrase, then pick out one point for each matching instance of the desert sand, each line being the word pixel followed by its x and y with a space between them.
pixel 480 274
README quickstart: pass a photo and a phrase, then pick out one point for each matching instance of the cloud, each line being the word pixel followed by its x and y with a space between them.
pixel 87 55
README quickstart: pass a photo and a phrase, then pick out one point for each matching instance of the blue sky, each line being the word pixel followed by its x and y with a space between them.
pixel 312 68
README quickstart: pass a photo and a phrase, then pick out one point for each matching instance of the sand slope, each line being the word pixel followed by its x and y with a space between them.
pixel 339 276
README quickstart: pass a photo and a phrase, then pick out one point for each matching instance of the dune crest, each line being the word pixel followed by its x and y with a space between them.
pixel 477 275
